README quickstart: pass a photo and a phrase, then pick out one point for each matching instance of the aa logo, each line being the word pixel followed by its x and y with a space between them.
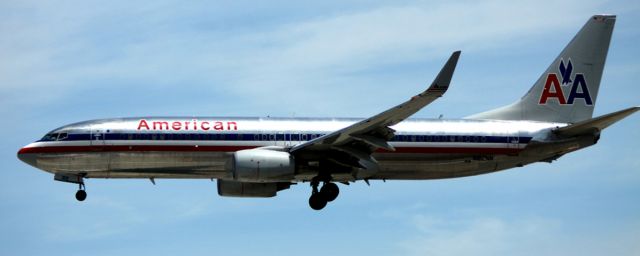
pixel 553 89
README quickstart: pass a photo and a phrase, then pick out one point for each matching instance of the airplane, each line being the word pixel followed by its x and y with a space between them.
pixel 258 157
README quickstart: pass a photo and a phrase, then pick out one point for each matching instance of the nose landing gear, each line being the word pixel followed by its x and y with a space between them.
pixel 81 195
pixel 319 199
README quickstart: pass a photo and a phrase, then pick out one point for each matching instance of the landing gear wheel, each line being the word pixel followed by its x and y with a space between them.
pixel 330 191
pixel 317 201
pixel 81 195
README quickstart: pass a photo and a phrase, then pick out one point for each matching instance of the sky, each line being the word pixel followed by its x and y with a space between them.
pixel 68 61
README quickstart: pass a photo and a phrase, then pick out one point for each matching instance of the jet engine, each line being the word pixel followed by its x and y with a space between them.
pixel 250 189
pixel 261 165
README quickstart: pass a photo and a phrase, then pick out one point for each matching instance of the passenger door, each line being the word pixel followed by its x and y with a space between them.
pixel 97 138
pixel 283 139
pixel 100 159
pixel 513 141
pixel 279 139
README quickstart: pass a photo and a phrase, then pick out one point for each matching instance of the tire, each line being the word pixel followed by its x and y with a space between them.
pixel 81 195
pixel 317 201
pixel 330 191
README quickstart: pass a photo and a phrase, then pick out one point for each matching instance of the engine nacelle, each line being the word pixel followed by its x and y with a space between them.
pixel 261 165
pixel 250 189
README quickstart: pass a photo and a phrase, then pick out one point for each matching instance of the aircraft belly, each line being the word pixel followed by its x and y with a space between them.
pixel 441 166
pixel 419 166
pixel 403 169
pixel 73 162
pixel 213 161
pixel 137 164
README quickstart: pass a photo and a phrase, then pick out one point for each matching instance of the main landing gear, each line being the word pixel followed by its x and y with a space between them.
pixel 327 193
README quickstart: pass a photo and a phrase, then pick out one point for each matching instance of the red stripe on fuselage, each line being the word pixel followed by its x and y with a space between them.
pixel 148 148
pixel 81 149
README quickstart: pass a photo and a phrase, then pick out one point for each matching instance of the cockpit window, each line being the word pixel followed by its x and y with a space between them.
pixel 55 136
pixel 62 136
pixel 50 137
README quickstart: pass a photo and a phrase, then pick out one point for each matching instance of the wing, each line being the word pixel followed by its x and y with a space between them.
pixel 361 139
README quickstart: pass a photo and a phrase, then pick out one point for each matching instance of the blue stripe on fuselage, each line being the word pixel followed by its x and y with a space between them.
pixel 288 137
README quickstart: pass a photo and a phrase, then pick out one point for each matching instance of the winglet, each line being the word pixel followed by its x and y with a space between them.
pixel 441 83
pixel 375 130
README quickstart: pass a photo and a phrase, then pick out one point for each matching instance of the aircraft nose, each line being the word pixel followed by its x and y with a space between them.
pixel 26 157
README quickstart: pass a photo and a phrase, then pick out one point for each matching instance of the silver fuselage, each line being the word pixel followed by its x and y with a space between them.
pixel 200 147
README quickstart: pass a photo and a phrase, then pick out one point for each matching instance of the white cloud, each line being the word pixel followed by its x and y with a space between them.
pixel 519 236
pixel 121 219
pixel 324 49
pixel 57 49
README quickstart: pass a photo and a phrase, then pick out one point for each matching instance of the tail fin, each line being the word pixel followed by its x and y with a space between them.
pixel 566 92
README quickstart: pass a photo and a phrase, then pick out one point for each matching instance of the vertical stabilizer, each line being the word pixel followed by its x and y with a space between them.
pixel 567 91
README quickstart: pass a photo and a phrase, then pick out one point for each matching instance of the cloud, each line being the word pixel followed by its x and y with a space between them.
pixel 332 52
pixel 77 47
pixel 520 236
pixel 122 218
pixel 486 236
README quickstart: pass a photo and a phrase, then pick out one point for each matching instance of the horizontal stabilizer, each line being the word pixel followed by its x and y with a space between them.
pixel 596 124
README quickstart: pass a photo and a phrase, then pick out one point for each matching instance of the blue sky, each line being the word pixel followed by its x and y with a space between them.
pixel 67 61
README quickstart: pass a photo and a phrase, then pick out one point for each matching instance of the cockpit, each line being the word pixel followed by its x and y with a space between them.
pixel 55 136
